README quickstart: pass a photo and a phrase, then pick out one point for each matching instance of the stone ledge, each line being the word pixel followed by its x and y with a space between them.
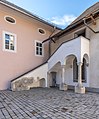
pixel 91 89
pixel 88 89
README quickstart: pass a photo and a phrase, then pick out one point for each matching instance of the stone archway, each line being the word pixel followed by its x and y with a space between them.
pixel 71 70
pixel 84 71
pixel 67 72
pixel 75 70
pixel 55 75
pixel 85 68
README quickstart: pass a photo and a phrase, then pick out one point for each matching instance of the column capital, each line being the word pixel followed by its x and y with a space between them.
pixel 63 66
pixel 80 63
pixel 49 72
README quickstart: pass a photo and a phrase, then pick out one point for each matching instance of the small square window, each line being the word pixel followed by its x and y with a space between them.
pixel 37 44
pixel 7 42
pixel 40 53
pixel 6 36
pixel 6 46
pixel 41 45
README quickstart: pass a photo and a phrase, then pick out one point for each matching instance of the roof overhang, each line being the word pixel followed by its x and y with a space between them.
pixel 27 13
pixel 74 25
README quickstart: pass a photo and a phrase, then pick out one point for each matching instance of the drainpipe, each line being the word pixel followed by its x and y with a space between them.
pixel 51 40
pixel 52 34
pixel 94 22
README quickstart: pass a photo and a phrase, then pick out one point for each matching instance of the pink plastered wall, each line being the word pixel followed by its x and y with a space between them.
pixel 26 30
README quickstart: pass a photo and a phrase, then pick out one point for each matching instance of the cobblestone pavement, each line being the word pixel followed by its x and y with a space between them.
pixel 42 103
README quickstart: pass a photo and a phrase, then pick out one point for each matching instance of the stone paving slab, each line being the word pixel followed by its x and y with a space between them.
pixel 43 103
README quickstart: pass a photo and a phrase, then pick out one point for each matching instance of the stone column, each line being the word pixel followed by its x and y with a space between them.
pixel 48 80
pixel 63 86
pixel 79 88
pixel 80 74
pixel 63 73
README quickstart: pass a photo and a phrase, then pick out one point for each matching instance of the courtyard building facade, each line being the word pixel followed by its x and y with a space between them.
pixel 39 54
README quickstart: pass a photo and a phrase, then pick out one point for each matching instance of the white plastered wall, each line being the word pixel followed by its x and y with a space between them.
pixel 37 74
pixel 94 57
pixel 77 47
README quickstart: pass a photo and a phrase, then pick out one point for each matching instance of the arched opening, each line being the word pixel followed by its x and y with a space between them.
pixel 84 71
pixel 71 69
pixel 75 70
pixel 85 68
pixel 55 75
pixel 86 57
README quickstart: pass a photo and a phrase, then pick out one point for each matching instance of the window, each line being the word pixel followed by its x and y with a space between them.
pixel 9 41
pixel 10 19
pixel 39 49
pixel 41 31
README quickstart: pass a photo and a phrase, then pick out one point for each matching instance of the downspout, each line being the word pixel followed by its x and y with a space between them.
pixel 51 40
pixel 49 48
pixel 52 34
pixel 94 22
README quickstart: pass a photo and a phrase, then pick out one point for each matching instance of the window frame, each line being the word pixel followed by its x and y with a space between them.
pixel 36 41
pixel 8 21
pixel 15 42
pixel 43 30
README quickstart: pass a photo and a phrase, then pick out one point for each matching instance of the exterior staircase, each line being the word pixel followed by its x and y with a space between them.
pixel 36 77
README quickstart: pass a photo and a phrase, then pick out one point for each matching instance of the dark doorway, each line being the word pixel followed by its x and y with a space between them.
pixel 53 79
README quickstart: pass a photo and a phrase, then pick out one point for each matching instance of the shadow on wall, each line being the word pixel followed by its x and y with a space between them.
pixel 42 82
pixel 8 85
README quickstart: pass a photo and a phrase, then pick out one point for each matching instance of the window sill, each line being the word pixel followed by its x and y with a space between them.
pixel 11 51
pixel 39 55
